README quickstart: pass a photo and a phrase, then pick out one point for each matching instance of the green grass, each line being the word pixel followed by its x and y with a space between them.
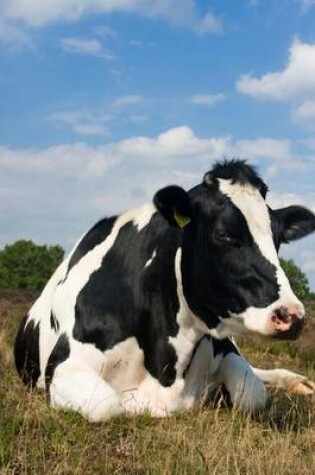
pixel 35 439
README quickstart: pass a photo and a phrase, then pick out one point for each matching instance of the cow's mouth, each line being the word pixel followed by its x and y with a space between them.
pixel 286 325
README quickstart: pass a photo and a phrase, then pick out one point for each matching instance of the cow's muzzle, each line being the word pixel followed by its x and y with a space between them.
pixel 287 323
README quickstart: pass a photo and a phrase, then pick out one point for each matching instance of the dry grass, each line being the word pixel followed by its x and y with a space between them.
pixel 37 440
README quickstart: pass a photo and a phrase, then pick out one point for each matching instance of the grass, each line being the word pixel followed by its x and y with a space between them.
pixel 35 439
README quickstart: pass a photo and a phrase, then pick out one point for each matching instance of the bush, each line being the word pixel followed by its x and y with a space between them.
pixel 297 279
pixel 26 265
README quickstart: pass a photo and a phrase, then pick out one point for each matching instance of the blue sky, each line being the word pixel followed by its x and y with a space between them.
pixel 104 101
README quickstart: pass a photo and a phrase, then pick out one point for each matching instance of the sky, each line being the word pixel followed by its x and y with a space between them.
pixel 102 102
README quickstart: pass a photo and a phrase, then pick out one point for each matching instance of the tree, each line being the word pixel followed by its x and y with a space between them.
pixel 297 279
pixel 26 265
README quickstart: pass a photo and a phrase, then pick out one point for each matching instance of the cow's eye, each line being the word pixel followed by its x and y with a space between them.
pixel 222 235
pixel 224 238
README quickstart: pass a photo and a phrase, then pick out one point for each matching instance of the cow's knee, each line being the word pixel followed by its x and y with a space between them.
pixel 247 392
pixel 83 391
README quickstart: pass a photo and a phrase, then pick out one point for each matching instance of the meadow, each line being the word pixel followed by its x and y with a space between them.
pixel 35 439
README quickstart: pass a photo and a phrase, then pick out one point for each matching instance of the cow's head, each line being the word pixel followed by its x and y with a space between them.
pixel 231 274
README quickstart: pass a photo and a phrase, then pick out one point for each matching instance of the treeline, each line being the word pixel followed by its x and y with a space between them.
pixel 25 265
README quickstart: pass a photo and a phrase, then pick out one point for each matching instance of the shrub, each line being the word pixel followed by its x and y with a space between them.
pixel 26 265
pixel 297 279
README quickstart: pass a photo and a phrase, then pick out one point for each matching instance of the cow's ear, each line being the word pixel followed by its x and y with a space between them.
pixel 174 204
pixel 295 222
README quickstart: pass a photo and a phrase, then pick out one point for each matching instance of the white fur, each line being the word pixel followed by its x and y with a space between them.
pixel 149 261
pixel 189 332
pixel 143 215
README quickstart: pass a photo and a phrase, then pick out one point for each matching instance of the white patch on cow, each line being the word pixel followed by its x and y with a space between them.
pixel 149 261
pixel 189 332
pixel 123 365
pixel 144 216
pixel 74 386
pixel 254 209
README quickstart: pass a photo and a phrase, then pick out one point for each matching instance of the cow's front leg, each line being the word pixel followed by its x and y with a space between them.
pixel 74 387
pixel 281 378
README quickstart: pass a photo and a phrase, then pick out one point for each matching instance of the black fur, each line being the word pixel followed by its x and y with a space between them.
pixel 54 322
pixel 26 352
pixel 60 353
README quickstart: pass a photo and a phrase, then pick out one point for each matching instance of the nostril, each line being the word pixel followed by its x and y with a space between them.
pixel 282 314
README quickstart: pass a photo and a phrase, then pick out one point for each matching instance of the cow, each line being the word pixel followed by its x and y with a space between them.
pixel 141 315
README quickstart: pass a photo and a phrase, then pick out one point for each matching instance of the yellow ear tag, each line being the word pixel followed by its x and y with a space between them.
pixel 181 220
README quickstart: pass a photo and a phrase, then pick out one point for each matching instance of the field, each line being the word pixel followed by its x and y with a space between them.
pixel 37 440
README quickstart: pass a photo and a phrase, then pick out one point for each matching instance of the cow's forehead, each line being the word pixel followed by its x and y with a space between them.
pixel 253 207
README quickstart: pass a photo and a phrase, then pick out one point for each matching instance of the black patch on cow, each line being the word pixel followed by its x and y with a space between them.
pixel 26 352
pixel 220 347
pixel 60 353
pixel 93 237
pixel 124 299
pixel 54 322
pixel 223 347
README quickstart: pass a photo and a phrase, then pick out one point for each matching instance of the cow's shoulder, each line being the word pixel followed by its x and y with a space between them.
pixel 97 234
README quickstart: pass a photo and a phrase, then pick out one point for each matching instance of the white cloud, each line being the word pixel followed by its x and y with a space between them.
pixel 207 99
pixel 105 31
pixel 85 47
pixel 296 80
pixel 14 37
pixel 305 112
pixel 97 121
pixel 127 100
pixel 83 122
pixel 183 13
pixel 208 24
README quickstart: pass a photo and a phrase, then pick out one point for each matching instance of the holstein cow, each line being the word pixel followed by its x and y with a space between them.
pixel 140 315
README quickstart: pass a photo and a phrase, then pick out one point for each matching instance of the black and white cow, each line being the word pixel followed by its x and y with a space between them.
pixel 139 316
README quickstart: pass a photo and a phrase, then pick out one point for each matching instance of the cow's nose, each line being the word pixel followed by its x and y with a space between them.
pixel 288 321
